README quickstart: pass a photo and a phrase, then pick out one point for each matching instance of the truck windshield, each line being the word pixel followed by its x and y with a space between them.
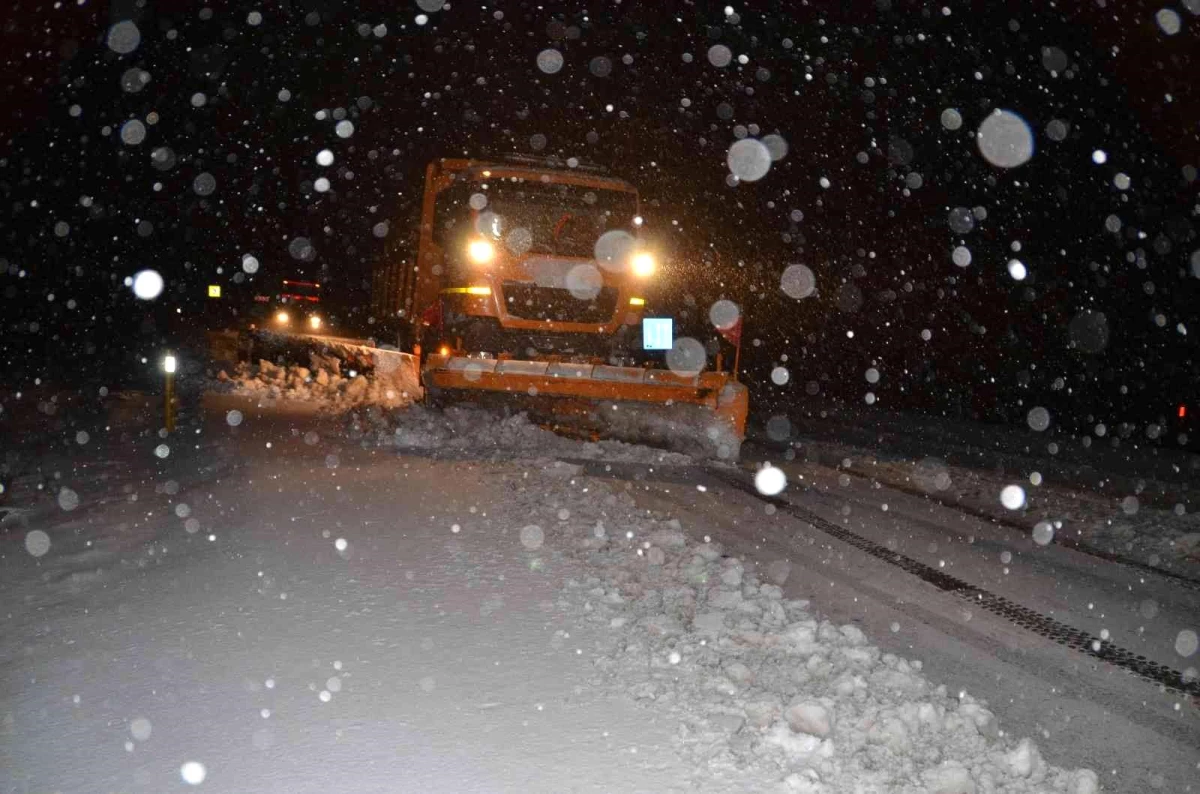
pixel 555 219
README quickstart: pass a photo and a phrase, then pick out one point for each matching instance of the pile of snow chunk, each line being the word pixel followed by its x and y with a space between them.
pixel 390 381
pixel 761 687
pixel 482 433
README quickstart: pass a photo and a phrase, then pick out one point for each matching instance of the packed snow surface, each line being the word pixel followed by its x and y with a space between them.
pixel 331 617
pixel 1136 500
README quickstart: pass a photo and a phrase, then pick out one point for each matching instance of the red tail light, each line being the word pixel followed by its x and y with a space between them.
pixel 1182 411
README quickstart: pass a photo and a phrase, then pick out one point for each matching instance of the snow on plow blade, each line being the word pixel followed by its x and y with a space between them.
pixel 702 414
pixel 343 354
pixel 341 372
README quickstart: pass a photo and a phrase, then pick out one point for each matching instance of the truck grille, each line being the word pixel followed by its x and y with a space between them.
pixel 531 302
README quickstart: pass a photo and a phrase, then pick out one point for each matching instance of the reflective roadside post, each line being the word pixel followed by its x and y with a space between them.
pixel 169 365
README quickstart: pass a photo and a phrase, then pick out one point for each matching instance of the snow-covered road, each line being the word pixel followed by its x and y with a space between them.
pixel 279 604
pixel 1080 707
pixel 338 620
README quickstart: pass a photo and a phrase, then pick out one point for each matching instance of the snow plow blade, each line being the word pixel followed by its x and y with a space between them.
pixel 703 415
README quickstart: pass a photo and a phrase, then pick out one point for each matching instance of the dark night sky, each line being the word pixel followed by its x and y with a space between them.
pixel 856 89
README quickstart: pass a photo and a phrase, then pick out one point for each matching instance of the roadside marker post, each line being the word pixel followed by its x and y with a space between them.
pixel 169 366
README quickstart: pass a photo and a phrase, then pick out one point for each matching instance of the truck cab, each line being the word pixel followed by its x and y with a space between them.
pixel 518 259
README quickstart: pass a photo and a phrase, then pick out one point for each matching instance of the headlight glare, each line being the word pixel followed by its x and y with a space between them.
pixel 642 264
pixel 480 251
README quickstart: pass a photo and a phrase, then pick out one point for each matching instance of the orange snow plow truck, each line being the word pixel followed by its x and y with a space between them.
pixel 528 293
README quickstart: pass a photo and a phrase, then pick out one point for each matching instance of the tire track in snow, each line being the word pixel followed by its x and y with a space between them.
pixel 1054 630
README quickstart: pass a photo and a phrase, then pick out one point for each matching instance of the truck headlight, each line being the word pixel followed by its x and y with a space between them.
pixel 282 318
pixel 642 264
pixel 480 251
pixel 314 322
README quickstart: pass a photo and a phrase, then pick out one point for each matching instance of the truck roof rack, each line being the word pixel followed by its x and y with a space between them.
pixel 554 161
